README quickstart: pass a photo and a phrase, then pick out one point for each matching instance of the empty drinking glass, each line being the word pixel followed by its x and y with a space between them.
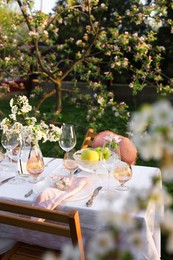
pixel 67 140
pixel 9 140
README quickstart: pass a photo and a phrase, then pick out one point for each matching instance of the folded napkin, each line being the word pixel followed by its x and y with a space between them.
pixel 50 198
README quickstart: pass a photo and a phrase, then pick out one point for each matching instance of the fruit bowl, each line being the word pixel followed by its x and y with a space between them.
pixel 86 165
pixel 91 165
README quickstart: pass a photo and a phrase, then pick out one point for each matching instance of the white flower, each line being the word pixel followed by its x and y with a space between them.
pixel 49 256
pixel 111 138
pixel 20 122
pixel 26 109
pixel 162 114
pixel 100 100
pixel 7 59
pixel 13 117
pixel 152 129
pixel 149 145
pixel 11 102
pixel 33 33
pixel 139 121
pixel 14 109
pixel 116 139
pixel 101 243
pixel 69 253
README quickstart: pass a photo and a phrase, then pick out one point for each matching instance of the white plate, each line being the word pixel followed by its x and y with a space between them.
pixel 84 193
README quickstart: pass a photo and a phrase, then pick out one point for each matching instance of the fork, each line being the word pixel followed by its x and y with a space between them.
pixel 50 162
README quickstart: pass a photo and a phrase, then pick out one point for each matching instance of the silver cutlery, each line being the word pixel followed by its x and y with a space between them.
pixel 50 162
pixel 29 193
pixel 76 171
pixel 95 193
pixel 6 180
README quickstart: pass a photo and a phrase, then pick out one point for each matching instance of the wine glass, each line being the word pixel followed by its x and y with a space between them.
pixel 9 141
pixel 35 163
pixel 2 157
pixel 122 173
pixel 67 140
pixel 69 162
pixel 110 155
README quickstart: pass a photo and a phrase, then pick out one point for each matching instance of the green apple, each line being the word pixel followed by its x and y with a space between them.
pixel 89 155
pixel 99 151
pixel 106 153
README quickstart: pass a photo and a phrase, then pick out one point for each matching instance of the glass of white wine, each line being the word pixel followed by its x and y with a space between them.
pixel 122 173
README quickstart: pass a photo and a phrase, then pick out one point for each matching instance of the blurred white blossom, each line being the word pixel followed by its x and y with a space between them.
pixel 152 133
pixel 20 121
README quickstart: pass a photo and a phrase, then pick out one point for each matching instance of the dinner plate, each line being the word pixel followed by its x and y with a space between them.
pixel 84 193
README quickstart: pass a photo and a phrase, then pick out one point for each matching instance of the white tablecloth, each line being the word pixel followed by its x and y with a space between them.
pixel 141 180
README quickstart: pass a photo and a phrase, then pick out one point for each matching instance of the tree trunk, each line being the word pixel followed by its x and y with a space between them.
pixel 58 93
pixel 58 96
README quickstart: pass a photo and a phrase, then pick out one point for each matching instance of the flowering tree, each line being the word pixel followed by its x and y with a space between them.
pixel 88 41
pixel 152 129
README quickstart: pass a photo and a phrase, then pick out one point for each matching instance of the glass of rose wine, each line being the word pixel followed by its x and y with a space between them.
pixel 122 173
pixel 69 162
pixel 35 163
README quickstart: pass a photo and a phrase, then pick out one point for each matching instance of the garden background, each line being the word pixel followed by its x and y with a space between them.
pixel 115 54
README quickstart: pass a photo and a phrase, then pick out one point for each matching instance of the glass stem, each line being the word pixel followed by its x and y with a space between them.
pixel 109 177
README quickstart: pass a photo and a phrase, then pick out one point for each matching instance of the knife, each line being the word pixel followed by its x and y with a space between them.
pixel 6 180
pixel 95 193
pixel 76 171
pixel 29 193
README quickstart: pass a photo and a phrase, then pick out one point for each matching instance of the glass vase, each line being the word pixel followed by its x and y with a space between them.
pixel 23 155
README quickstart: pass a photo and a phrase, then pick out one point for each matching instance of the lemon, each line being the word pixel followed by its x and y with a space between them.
pixel 89 155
